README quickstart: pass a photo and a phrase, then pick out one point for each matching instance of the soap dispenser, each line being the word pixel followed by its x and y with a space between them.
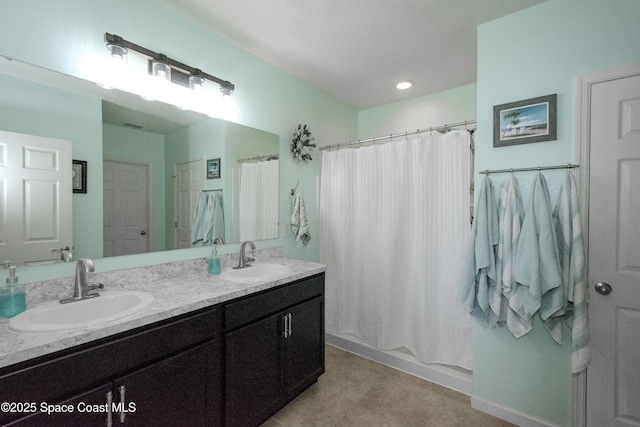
pixel 214 261
pixel 12 298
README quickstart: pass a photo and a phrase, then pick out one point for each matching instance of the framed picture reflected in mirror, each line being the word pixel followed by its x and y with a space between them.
pixel 79 176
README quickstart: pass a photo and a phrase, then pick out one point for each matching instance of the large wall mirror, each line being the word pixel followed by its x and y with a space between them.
pixel 149 176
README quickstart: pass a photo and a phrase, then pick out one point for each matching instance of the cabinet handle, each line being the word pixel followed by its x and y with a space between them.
pixel 122 402
pixel 290 328
pixel 286 326
pixel 109 413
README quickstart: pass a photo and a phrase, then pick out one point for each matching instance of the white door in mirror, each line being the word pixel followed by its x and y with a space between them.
pixel 36 174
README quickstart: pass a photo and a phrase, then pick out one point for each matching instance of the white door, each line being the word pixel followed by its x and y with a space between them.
pixel 126 208
pixel 36 214
pixel 190 182
pixel 613 376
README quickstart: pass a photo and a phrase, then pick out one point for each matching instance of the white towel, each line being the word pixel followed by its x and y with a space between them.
pixel 208 219
pixel 214 218
pixel 537 265
pixel 197 226
pixel 479 270
pixel 510 217
pixel 299 222
pixel 573 266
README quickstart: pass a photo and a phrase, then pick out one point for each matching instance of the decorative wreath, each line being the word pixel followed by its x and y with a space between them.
pixel 301 145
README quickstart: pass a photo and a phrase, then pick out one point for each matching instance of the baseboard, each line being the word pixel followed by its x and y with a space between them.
pixel 452 378
pixel 518 418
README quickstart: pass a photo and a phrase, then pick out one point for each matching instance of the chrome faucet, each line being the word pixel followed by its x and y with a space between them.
pixel 243 259
pixel 81 288
pixel 65 253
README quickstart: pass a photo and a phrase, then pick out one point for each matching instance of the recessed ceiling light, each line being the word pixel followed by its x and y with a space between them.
pixel 404 85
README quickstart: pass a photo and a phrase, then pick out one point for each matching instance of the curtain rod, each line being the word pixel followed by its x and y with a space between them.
pixel 208 191
pixel 442 129
pixel 537 168
pixel 259 158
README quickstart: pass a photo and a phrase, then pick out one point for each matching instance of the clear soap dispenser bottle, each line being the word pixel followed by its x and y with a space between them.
pixel 214 261
pixel 12 298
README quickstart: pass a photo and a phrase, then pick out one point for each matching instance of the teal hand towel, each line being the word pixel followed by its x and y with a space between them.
pixel 573 267
pixel 510 217
pixel 479 270
pixel 537 265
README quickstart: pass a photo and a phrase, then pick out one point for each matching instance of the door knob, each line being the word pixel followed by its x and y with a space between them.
pixel 603 288
pixel 143 233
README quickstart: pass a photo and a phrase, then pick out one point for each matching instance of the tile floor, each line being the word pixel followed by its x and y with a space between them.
pixel 355 391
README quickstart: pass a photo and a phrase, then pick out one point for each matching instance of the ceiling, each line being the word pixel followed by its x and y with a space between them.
pixel 357 50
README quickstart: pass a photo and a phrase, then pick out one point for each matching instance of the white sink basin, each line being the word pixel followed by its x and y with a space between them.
pixel 256 273
pixel 54 317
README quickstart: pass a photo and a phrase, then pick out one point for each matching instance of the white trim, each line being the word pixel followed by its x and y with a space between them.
pixel 579 399
pixel 584 85
pixel 455 379
pixel 515 417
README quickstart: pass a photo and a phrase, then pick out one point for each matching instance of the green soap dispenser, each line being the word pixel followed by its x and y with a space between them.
pixel 12 298
pixel 214 261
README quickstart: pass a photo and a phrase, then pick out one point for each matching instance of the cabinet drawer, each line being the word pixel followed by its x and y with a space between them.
pixel 257 306
pixel 52 377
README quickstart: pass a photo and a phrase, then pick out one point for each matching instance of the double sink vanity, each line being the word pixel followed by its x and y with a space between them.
pixel 166 345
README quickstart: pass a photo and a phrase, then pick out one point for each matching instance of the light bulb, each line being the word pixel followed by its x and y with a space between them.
pixel 160 68
pixel 196 81
pixel 404 85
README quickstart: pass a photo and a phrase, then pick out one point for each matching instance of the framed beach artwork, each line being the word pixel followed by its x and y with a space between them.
pixel 523 122
pixel 79 176
pixel 213 168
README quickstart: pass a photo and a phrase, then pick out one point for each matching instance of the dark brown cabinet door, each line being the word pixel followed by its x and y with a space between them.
pixel 172 392
pixel 86 409
pixel 272 360
pixel 252 365
pixel 304 345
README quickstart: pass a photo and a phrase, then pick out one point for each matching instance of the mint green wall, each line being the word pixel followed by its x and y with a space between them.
pixel 203 140
pixel 536 52
pixel 35 109
pixel 450 106
pixel 68 36
pixel 137 146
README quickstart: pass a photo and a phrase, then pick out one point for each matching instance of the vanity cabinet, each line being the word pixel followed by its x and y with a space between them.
pixel 274 349
pixel 166 374
pixel 233 364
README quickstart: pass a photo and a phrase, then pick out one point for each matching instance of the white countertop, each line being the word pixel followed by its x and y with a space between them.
pixel 172 297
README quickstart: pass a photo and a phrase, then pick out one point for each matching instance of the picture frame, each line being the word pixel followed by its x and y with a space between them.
pixel 213 168
pixel 526 121
pixel 79 176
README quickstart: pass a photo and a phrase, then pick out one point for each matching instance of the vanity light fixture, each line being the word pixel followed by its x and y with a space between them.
pixel 162 66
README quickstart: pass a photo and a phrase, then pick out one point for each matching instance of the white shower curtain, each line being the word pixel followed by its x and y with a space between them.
pixel 258 200
pixel 394 223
